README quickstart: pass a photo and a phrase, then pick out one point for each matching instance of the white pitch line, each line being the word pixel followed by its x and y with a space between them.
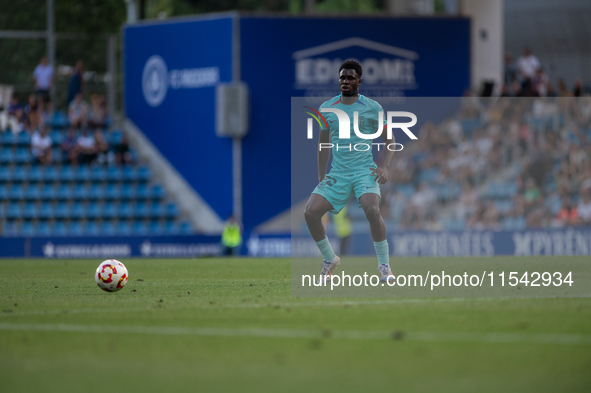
pixel 248 305
pixel 503 338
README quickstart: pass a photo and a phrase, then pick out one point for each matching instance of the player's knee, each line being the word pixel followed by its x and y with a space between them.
pixel 372 212
pixel 311 213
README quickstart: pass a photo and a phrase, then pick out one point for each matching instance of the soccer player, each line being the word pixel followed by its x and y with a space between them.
pixel 353 170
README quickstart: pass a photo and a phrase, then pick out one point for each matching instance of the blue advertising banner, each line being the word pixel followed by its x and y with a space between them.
pixel 110 247
pixel 571 241
pixel 171 70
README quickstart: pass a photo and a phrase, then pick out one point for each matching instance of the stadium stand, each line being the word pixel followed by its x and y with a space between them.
pixel 500 163
pixel 61 199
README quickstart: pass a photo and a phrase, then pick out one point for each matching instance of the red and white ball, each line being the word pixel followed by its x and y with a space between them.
pixel 111 275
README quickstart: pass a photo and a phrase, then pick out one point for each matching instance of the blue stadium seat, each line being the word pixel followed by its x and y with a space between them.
pixel 127 191
pixel 10 228
pixel 78 210
pixel 23 139
pixel 80 192
pixel 157 192
pixel 13 211
pixel 110 210
pixel 98 173
pixel 43 229
pixel 56 137
pixel 50 174
pixel 140 210
pixel 115 137
pixel 125 210
pixel 139 228
pixel 141 192
pixel 45 210
pixel 114 174
pixel 22 155
pixel 129 173
pixel 155 228
pixel 48 191
pixel 171 228
pixel 94 210
pixel 64 192
pixel 75 228
pixel 18 174
pixel 123 228
pixel 96 191
pixel 144 174
pixel 35 173
pixel 58 156
pixel 112 191
pixel 17 191
pixel 66 174
pixel 62 210
pixel 172 210
pixel 91 229
pixel 3 192
pixel 32 192
pixel 59 120
pixel 157 210
pixel 82 173
pixel 6 156
pixel 4 174
pixel 29 210
pixel 107 228
pixel 185 228
pixel 59 229
pixel 2 213
pixel 27 229
pixel 8 139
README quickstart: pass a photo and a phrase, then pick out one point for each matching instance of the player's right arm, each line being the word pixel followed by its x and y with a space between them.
pixel 323 154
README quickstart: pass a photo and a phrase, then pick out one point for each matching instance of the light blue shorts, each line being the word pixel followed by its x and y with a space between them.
pixel 337 188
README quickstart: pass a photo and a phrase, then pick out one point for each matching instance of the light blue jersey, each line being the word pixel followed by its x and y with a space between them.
pixel 345 158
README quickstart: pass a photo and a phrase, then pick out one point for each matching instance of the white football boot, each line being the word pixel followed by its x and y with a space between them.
pixel 385 272
pixel 327 269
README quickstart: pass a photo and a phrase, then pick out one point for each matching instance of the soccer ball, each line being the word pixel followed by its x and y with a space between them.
pixel 111 275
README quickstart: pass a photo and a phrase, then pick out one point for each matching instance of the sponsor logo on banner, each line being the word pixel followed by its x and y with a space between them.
pixel 149 249
pixel 86 250
pixel 387 73
pixel 156 79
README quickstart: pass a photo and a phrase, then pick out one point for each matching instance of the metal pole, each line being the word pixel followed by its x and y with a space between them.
pixel 111 69
pixel 51 43
pixel 236 142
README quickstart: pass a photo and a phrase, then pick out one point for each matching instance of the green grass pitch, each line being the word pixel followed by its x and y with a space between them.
pixel 221 325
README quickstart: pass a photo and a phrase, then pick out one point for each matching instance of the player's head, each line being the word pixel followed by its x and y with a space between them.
pixel 350 77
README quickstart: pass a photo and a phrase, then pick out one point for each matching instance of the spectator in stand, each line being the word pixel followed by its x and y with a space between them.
pixel 97 114
pixel 578 88
pixel 77 112
pixel 531 194
pixel 122 153
pixel 510 69
pixel 70 148
pixel 563 90
pixel 540 82
pixel 86 148
pixel 75 82
pixel 41 146
pixel 527 66
pixel 101 146
pixel 43 76
pixel 584 208
pixel 566 216
pixel 14 105
pixel 423 200
pixel 33 121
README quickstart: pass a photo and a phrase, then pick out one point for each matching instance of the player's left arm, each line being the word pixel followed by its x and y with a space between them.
pixel 383 169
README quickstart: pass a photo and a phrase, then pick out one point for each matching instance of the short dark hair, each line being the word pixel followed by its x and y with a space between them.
pixel 352 65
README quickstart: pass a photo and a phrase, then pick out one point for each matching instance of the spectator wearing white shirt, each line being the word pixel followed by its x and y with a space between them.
pixel 77 111
pixel 43 76
pixel 527 66
pixel 86 147
pixel 584 208
pixel 41 146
